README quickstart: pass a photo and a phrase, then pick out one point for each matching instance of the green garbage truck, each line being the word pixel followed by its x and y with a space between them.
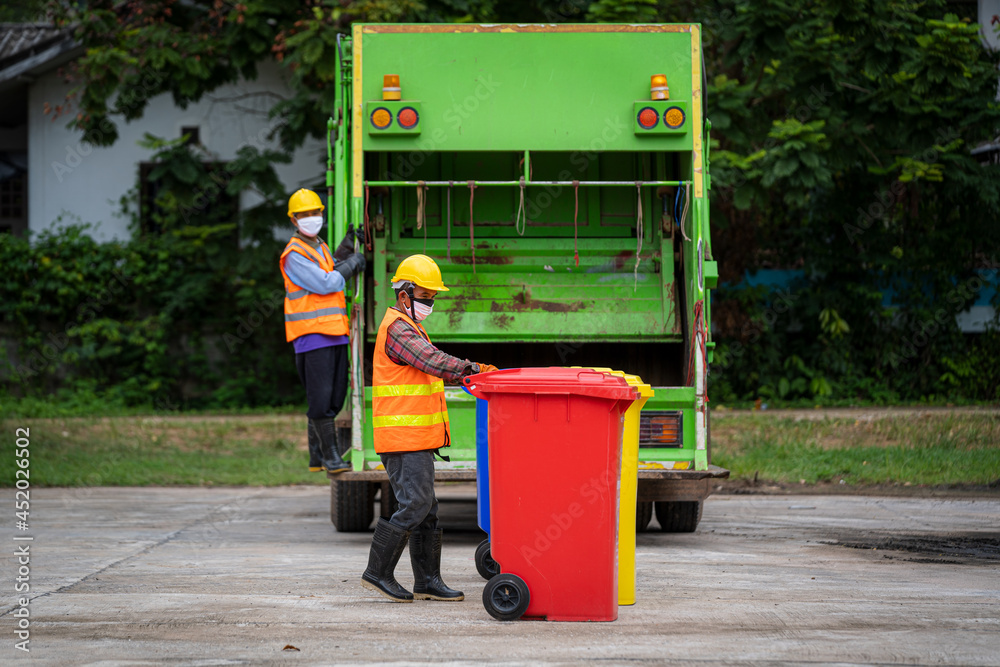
pixel 559 176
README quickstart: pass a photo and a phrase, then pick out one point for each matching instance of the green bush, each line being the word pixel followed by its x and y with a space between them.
pixel 188 317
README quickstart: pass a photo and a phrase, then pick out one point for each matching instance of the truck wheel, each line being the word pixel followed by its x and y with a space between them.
pixel 351 506
pixel 643 515
pixel 485 565
pixel 506 597
pixel 679 516
pixel 387 503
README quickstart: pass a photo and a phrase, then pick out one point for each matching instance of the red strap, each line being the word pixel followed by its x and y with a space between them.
pixel 576 210
pixel 368 226
pixel 472 233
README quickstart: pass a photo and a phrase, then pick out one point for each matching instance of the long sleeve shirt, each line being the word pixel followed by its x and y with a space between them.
pixel 405 345
pixel 309 276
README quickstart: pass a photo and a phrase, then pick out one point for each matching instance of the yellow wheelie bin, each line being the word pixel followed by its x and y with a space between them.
pixel 629 488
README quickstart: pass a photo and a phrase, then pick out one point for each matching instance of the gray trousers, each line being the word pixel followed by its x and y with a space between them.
pixel 411 475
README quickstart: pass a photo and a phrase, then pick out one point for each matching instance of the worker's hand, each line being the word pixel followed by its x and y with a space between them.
pixel 346 247
pixel 486 368
pixel 351 266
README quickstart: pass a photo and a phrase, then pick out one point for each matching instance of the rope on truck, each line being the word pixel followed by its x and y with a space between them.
pixel 422 210
pixel 698 338
pixel 448 255
pixel 576 210
pixel 638 234
pixel 368 225
pixel 472 233
pixel 521 218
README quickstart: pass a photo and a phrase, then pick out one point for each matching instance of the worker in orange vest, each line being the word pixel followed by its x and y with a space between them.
pixel 410 422
pixel 316 322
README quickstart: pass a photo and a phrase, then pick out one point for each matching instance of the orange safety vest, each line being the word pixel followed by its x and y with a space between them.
pixel 305 311
pixel 408 409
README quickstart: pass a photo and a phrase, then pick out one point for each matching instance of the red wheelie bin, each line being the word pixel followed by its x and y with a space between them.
pixel 555 439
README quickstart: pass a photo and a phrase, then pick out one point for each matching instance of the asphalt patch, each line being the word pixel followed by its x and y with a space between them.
pixel 954 548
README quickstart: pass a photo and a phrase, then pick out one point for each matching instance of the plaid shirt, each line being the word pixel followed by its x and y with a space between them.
pixel 405 345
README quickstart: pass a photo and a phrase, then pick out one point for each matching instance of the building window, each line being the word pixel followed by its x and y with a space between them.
pixel 13 198
pixel 210 204
pixel 194 134
pixel 12 201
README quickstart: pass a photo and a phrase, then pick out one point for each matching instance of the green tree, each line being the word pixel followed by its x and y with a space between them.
pixel 842 135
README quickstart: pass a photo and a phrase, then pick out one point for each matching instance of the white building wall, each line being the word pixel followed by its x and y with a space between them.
pixel 987 10
pixel 70 181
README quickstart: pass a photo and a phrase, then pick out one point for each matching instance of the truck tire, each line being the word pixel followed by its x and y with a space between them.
pixel 351 507
pixel 679 516
pixel 643 515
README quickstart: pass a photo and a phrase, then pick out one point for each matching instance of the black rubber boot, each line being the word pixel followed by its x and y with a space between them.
pixel 315 462
pixel 387 546
pixel 425 556
pixel 329 449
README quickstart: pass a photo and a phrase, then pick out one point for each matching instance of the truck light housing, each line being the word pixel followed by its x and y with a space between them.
pixel 658 88
pixel 381 118
pixel 647 117
pixel 393 118
pixel 390 87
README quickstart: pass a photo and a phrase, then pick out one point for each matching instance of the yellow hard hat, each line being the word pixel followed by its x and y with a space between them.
pixel 420 270
pixel 304 200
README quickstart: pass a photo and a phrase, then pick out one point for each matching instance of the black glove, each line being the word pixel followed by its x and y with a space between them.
pixel 346 247
pixel 351 266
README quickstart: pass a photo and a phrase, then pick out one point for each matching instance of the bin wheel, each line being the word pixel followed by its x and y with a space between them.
pixel 679 516
pixel 485 565
pixel 506 597
pixel 643 515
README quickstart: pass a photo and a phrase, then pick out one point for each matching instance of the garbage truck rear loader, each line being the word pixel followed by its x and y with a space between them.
pixel 558 175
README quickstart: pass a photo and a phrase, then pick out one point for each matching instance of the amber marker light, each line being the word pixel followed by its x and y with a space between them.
pixel 381 118
pixel 658 88
pixel 673 117
pixel 390 87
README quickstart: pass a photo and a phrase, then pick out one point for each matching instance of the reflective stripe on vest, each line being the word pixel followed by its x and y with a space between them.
pixel 305 311
pixel 408 406
pixel 410 420
pixel 408 389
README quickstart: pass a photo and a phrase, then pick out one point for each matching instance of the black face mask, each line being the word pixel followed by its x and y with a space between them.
pixel 429 303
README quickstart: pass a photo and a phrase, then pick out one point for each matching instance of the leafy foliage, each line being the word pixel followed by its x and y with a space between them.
pixel 841 146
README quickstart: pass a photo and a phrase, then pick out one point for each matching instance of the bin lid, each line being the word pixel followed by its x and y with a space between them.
pixel 644 389
pixel 550 380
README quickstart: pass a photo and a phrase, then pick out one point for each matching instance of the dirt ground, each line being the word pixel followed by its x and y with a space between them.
pixel 204 576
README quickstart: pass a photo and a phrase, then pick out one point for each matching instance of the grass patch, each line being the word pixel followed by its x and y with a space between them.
pixel 143 451
pixel 928 449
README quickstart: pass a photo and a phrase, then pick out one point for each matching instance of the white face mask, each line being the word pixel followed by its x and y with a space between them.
pixel 310 226
pixel 420 311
